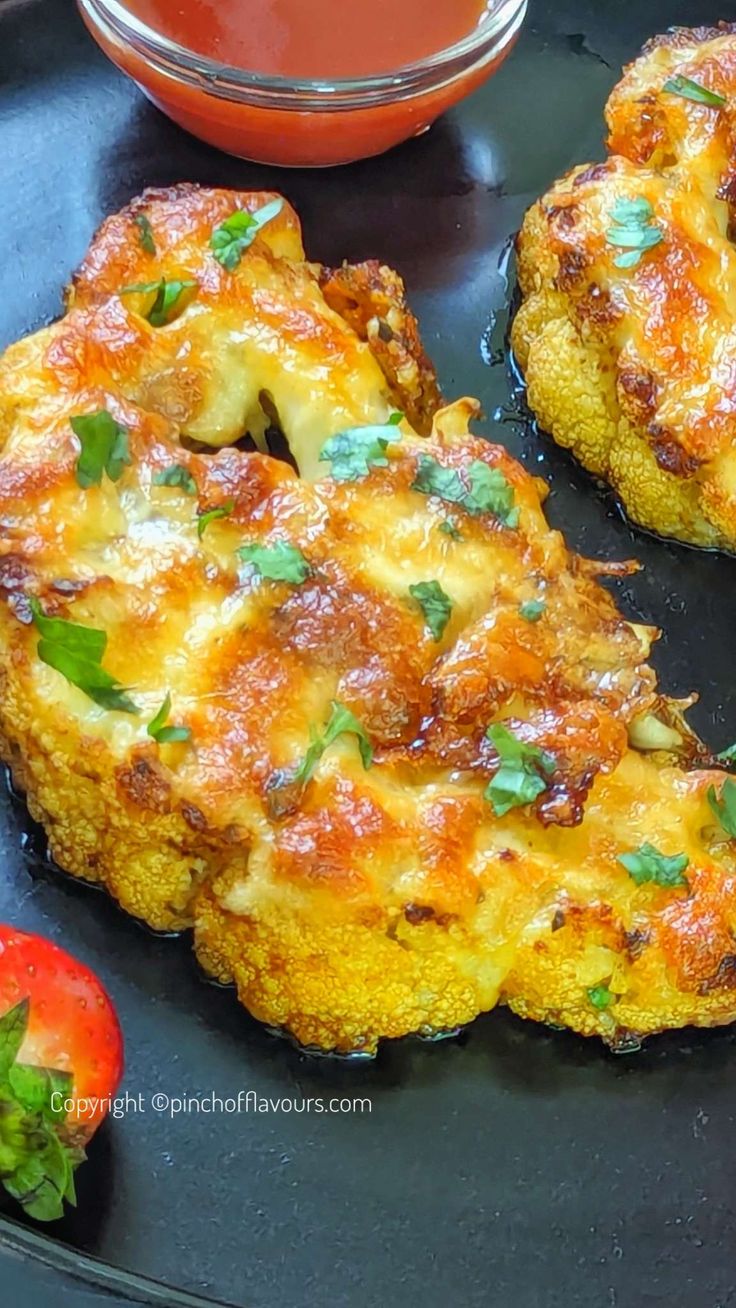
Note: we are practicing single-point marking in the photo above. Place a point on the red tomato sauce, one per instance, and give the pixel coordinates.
(330, 40)
(313, 38)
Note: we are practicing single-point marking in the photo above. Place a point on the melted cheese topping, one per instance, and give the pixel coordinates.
(649, 348)
(365, 902)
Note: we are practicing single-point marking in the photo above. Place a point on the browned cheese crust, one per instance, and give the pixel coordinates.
(632, 367)
(358, 902)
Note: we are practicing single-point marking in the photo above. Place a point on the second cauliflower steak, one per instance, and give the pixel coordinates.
(627, 331)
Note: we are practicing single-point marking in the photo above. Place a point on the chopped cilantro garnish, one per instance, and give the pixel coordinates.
(724, 806)
(532, 610)
(523, 773)
(104, 447)
(212, 515)
(634, 230)
(167, 303)
(485, 489)
(342, 722)
(690, 90)
(278, 562)
(600, 996)
(354, 452)
(449, 528)
(435, 605)
(76, 652)
(163, 734)
(176, 475)
(396, 419)
(231, 239)
(647, 864)
(145, 233)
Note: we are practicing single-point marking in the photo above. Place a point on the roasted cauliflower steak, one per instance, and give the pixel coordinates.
(627, 331)
(368, 727)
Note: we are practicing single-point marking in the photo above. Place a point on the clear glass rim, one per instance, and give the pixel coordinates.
(501, 23)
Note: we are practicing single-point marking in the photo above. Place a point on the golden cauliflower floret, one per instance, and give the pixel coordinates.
(628, 275)
(369, 727)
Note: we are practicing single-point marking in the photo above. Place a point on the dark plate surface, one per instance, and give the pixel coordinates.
(515, 1165)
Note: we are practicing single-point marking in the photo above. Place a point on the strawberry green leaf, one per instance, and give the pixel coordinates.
(13, 1027)
(35, 1088)
(36, 1166)
(40, 1178)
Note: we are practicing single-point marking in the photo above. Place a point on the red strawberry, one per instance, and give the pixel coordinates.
(59, 1039)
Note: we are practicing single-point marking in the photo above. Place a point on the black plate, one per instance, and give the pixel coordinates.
(514, 1165)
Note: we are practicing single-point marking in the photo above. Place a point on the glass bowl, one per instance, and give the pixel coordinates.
(294, 121)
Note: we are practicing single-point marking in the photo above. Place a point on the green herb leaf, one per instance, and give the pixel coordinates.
(212, 515)
(490, 492)
(278, 562)
(231, 239)
(449, 529)
(647, 864)
(166, 305)
(532, 610)
(690, 90)
(342, 722)
(523, 774)
(727, 755)
(166, 735)
(396, 419)
(145, 233)
(87, 642)
(104, 447)
(354, 452)
(76, 652)
(634, 211)
(176, 475)
(634, 230)
(486, 491)
(724, 806)
(13, 1027)
(600, 996)
(435, 605)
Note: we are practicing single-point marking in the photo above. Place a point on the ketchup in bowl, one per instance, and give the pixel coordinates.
(305, 81)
